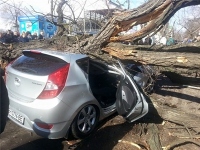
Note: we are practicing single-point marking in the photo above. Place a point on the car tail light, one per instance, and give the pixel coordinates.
(44, 125)
(55, 83)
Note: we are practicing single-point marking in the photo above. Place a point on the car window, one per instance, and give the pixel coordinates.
(38, 64)
(133, 69)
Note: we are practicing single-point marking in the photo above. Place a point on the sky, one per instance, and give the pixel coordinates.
(44, 6)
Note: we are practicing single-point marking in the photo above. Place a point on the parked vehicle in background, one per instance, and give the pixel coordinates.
(56, 93)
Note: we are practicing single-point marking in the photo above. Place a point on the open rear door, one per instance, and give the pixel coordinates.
(130, 102)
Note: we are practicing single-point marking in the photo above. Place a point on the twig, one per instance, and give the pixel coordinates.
(131, 143)
(180, 127)
(188, 130)
(192, 87)
(184, 137)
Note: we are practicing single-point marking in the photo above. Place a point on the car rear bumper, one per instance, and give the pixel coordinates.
(27, 116)
(51, 134)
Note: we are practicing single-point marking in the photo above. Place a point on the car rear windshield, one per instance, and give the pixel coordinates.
(38, 64)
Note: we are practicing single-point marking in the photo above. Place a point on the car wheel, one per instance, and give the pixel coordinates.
(84, 122)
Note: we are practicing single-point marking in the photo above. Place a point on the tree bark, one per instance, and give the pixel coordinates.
(59, 11)
(183, 55)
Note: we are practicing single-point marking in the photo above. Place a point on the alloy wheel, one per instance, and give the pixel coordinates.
(86, 119)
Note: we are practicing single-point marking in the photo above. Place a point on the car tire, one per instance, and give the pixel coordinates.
(85, 122)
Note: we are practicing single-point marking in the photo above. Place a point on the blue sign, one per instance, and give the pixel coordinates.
(36, 24)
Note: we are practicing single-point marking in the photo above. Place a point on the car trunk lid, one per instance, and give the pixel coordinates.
(24, 87)
(27, 76)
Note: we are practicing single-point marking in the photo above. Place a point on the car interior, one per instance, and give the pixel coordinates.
(103, 83)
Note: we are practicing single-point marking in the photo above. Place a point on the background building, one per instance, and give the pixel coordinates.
(94, 16)
(36, 24)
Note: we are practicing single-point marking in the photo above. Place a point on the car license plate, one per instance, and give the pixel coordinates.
(16, 116)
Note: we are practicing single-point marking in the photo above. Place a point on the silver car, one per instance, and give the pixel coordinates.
(56, 94)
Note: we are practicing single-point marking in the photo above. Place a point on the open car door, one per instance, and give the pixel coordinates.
(130, 102)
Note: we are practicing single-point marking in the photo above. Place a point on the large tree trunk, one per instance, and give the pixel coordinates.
(154, 14)
(177, 56)
(59, 10)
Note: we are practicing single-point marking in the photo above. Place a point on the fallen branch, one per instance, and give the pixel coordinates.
(188, 131)
(194, 137)
(181, 136)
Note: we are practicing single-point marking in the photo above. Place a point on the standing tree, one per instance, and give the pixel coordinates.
(64, 12)
(190, 23)
(12, 11)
